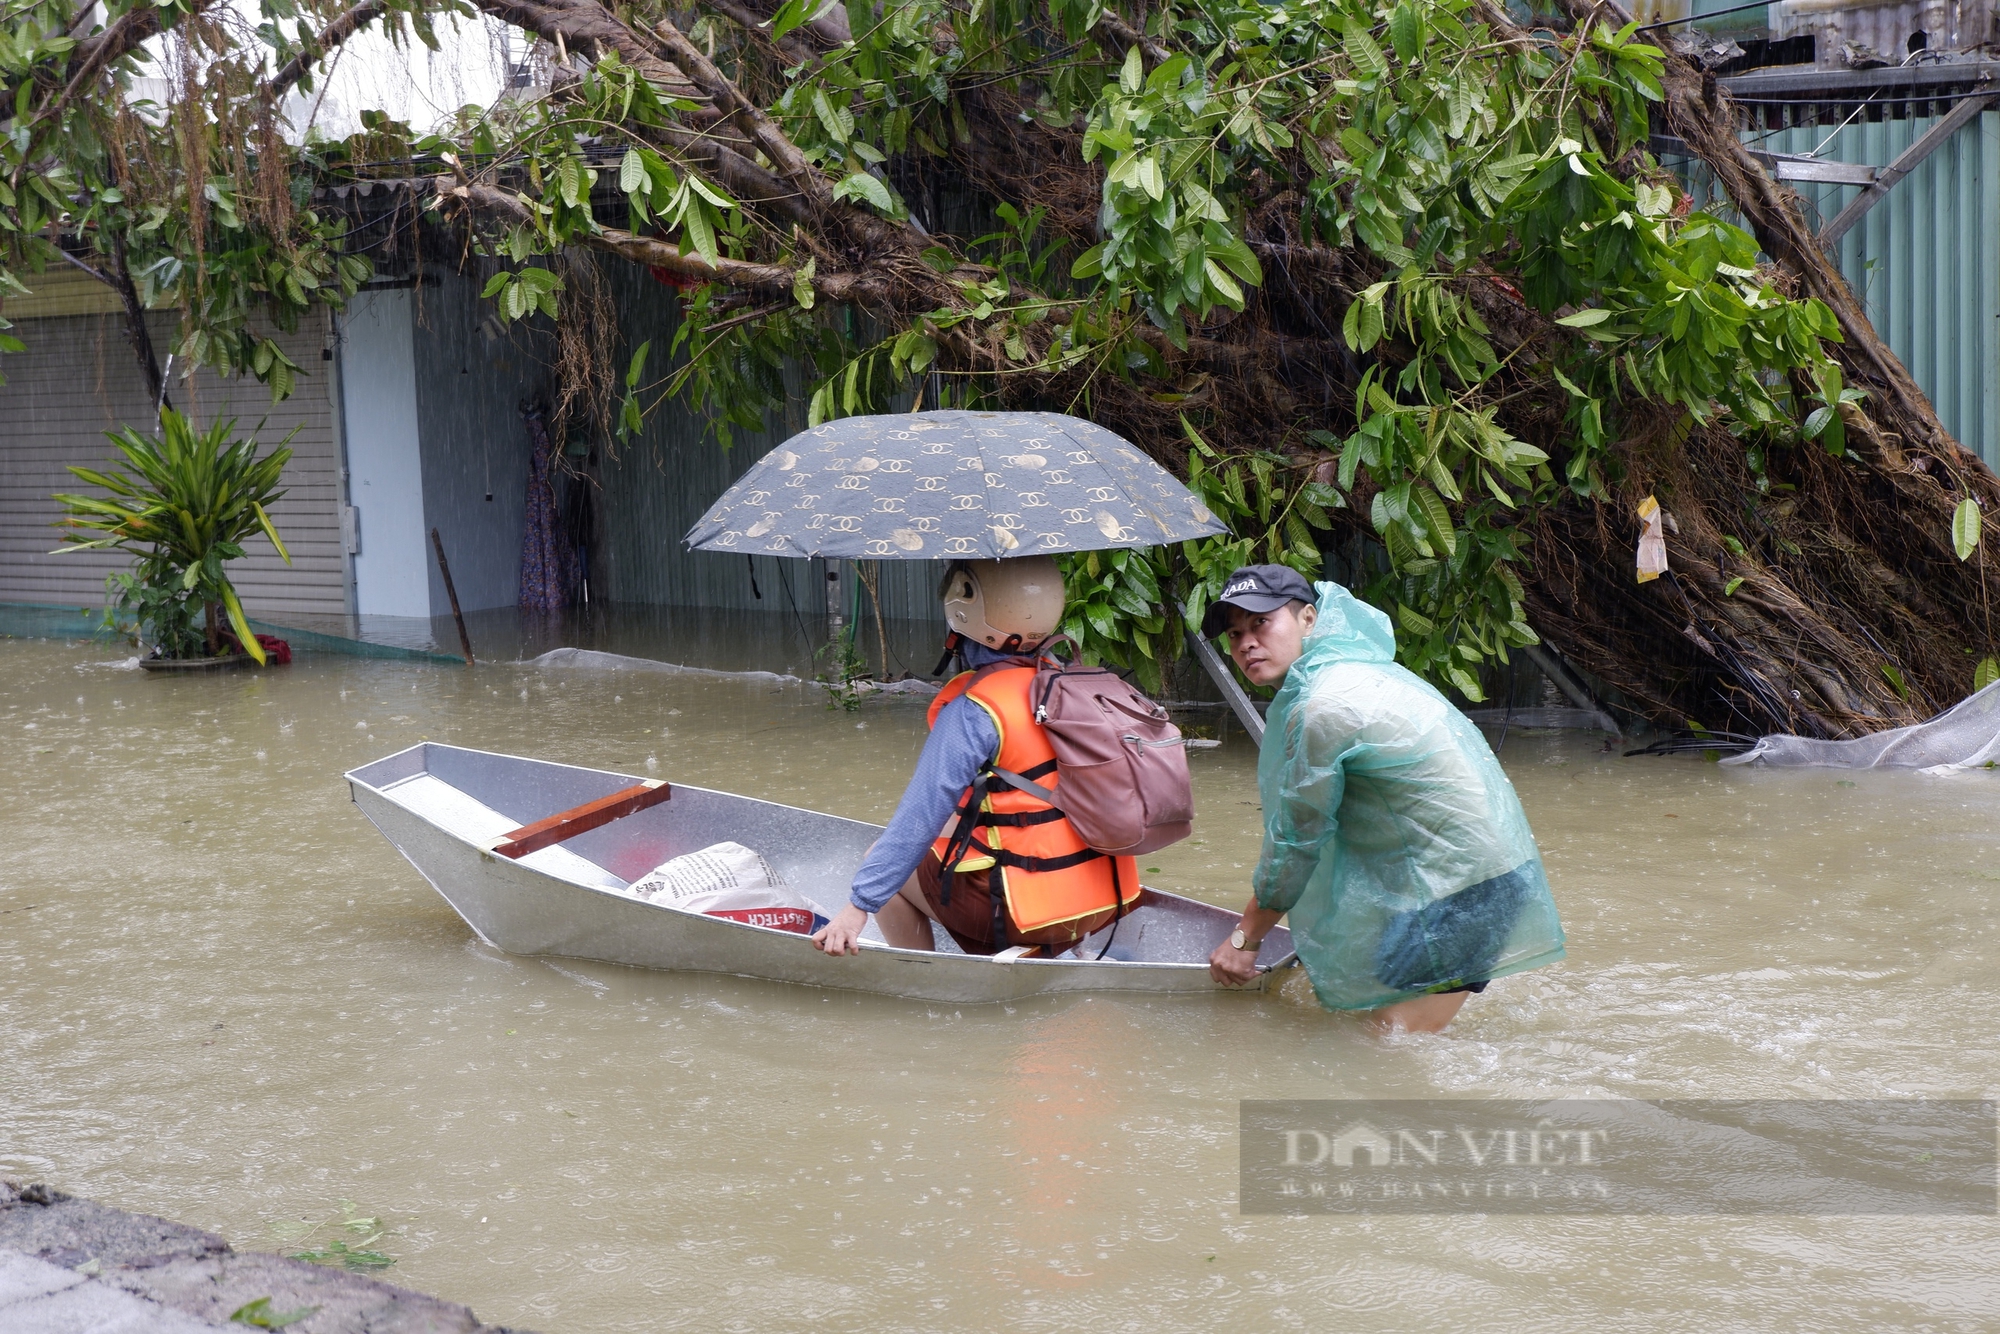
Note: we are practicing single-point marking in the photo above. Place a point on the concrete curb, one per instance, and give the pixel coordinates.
(68, 1266)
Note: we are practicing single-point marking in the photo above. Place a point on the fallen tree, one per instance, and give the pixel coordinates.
(1399, 282)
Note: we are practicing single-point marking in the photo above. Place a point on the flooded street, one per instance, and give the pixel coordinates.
(226, 999)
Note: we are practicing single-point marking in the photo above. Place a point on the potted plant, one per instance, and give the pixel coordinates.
(183, 503)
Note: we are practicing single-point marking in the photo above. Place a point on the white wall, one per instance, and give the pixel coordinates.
(385, 468)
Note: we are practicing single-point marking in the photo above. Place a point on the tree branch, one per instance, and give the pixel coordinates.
(1128, 37)
(586, 25)
(136, 331)
(98, 274)
(93, 55)
(746, 115)
(774, 280)
(342, 27)
(1702, 115)
(1503, 28)
(789, 46)
(869, 233)
(722, 157)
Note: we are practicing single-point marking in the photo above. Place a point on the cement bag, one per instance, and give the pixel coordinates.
(729, 880)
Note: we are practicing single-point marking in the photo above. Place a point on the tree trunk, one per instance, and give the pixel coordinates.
(136, 332)
(1853, 613)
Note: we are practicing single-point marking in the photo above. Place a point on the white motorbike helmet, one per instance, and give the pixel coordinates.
(1004, 604)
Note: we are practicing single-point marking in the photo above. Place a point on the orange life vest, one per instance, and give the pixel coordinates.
(1045, 873)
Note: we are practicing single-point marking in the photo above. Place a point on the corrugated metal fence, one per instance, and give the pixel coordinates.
(1925, 259)
(77, 380)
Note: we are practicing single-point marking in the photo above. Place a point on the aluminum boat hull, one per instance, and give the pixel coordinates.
(1162, 945)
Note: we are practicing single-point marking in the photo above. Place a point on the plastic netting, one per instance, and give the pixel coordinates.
(1391, 834)
(1965, 736)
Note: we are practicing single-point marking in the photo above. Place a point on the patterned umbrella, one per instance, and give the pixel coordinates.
(951, 485)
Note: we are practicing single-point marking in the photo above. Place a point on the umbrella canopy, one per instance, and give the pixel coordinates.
(952, 486)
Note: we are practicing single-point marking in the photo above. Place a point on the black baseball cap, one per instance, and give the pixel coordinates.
(1256, 589)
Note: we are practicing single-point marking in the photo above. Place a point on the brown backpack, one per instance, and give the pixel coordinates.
(1122, 765)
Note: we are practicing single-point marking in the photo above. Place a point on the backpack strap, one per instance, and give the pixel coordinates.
(961, 834)
(1024, 782)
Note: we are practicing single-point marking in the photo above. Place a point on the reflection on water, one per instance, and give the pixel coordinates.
(223, 997)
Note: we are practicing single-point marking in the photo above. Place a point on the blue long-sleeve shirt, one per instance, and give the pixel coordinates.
(963, 740)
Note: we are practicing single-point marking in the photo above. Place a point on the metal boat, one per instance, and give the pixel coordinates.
(559, 887)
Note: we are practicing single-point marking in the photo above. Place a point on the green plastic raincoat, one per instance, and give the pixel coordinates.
(1391, 835)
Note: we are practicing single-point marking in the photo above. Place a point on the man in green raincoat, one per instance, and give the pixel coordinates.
(1391, 835)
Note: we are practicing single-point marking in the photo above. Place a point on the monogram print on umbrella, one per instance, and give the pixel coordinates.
(941, 485)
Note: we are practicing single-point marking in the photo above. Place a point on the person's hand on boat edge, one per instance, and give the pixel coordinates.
(1231, 967)
(843, 934)
(1234, 961)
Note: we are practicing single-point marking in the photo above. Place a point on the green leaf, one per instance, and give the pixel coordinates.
(860, 185)
(240, 623)
(701, 233)
(1194, 437)
(1985, 674)
(1896, 681)
(270, 531)
(1467, 683)
(710, 193)
(1729, 589)
(1406, 32)
(1438, 519)
(1965, 528)
(792, 14)
(1584, 319)
(802, 284)
(570, 176)
(259, 1315)
(632, 174)
(1368, 59)
(638, 366)
(1224, 285)
(1132, 76)
(1362, 326)
(831, 119)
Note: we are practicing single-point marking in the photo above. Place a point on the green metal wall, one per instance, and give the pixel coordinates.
(1926, 259)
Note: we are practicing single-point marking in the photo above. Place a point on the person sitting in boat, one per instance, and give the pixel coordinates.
(1391, 835)
(1018, 873)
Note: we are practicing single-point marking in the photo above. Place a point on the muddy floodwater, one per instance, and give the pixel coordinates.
(225, 998)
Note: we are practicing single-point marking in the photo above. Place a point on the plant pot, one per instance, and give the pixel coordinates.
(197, 665)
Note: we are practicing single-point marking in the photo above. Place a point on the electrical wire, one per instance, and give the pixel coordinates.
(1712, 14)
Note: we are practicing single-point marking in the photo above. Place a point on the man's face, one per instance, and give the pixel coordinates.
(1265, 644)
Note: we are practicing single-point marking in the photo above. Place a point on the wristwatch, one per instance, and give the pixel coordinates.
(1237, 941)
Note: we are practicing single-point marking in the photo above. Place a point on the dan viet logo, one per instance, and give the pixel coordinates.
(1878, 1156)
(1362, 1145)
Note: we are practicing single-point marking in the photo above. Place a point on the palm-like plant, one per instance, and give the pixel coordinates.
(184, 504)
